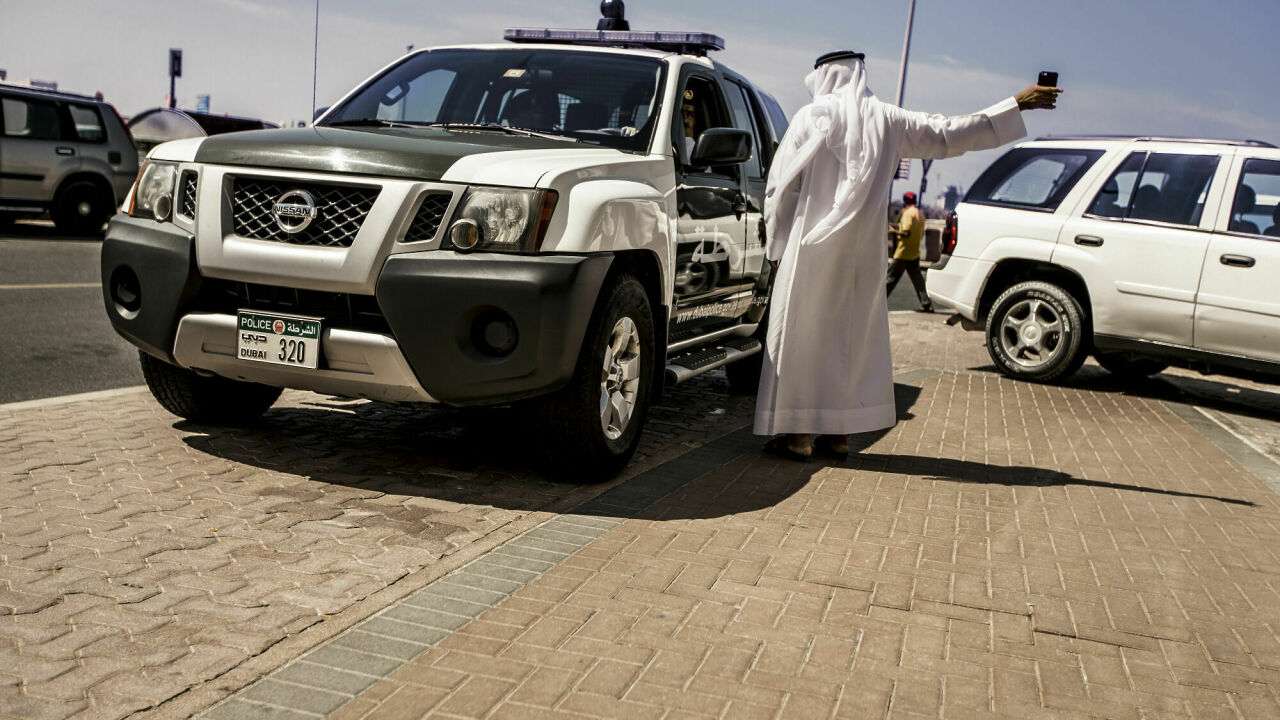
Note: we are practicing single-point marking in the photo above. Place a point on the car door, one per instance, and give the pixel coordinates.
(1238, 303)
(749, 115)
(36, 153)
(711, 221)
(1140, 242)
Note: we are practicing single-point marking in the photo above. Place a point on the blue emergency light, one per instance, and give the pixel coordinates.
(687, 43)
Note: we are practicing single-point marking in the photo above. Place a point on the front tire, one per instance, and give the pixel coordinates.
(214, 400)
(592, 425)
(81, 208)
(1036, 331)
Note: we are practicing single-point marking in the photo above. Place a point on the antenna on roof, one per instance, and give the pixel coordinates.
(614, 12)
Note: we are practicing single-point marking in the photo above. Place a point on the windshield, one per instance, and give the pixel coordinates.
(601, 98)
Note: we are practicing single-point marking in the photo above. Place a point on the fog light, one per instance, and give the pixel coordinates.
(163, 206)
(126, 291)
(464, 234)
(494, 333)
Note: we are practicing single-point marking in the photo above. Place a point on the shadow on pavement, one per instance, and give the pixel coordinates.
(976, 472)
(470, 456)
(1214, 392)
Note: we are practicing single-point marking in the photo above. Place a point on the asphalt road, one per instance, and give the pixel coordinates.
(56, 336)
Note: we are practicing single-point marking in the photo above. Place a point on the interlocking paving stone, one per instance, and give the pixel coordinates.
(1035, 527)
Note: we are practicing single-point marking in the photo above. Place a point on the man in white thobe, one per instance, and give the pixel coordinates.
(827, 369)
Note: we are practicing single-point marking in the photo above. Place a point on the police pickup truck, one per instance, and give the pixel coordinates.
(564, 222)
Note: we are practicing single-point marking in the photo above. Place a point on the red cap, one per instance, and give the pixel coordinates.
(908, 197)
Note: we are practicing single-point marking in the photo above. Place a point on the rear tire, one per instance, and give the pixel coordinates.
(1036, 331)
(592, 425)
(1130, 368)
(214, 400)
(82, 207)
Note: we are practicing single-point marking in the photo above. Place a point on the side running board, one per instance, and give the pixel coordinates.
(697, 362)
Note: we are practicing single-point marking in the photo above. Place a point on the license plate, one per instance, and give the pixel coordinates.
(278, 339)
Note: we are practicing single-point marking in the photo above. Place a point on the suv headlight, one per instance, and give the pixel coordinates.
(153, 193)
(501, 219)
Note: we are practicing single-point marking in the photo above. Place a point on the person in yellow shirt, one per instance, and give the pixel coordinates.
(906, 256)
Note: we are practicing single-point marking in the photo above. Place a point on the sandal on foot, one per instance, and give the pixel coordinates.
(778, 446)
(826, 446)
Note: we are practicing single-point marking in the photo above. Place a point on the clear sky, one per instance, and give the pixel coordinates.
(1160, 67)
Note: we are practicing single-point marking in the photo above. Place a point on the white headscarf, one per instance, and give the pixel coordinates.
(844, 121)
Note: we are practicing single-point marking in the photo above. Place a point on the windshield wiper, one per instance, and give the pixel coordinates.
(375, 122)
(503, 128)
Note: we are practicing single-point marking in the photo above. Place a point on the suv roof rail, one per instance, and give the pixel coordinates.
(685, 43)
(46, 91)
(1157, 138)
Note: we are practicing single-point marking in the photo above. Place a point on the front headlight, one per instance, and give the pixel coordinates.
(501, 219)
(153, 193)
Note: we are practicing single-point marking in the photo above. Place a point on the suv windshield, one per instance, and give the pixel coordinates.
(600, 98)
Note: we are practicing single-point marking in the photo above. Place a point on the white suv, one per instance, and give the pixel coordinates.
(566, 222)
(1144, 251)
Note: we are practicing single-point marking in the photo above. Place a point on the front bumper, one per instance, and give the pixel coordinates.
(429, 345)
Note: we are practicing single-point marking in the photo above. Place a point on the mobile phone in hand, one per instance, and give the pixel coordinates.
(1047, 78)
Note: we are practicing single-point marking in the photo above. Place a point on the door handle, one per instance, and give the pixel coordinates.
(64, 150)
(739, 204)
(1089, 240)
(1237, 260)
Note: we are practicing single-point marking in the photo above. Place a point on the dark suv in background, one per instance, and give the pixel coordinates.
(63, 154)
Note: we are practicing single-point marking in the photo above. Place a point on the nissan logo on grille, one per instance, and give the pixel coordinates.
(295, 210)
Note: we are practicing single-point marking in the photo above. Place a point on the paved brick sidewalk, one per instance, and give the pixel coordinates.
(1007, 549)
(146, 561)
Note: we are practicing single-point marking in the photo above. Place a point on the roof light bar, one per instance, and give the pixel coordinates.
(681, 42)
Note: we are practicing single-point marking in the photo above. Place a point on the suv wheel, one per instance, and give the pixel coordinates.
(1036, 331)
(593, 424)
(1130, 368)
(81, 207)
(205, 399)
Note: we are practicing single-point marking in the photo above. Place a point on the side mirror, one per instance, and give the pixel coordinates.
(721, 146)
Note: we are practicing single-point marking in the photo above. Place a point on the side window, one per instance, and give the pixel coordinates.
(1256, 209)
(1035, 178)
(31, 119)
(744, 119)
(701, 107)
(88, 123)
(1160, 187)
(1113, 199)
(777, 118)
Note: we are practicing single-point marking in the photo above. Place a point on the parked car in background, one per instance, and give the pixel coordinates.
(66, 155)
(160, 125)
(1146, 252)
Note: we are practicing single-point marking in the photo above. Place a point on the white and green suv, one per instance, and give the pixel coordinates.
(564, 222)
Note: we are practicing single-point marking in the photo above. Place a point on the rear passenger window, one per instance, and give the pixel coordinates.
(88, 123)
(744, 119)
(1256, 208)
(1032, 178)
(30, 119)
(1160, 187)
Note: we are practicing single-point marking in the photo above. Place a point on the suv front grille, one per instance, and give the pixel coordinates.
(336, 310)
(342, 210)
(430, 214)
(187, 195)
